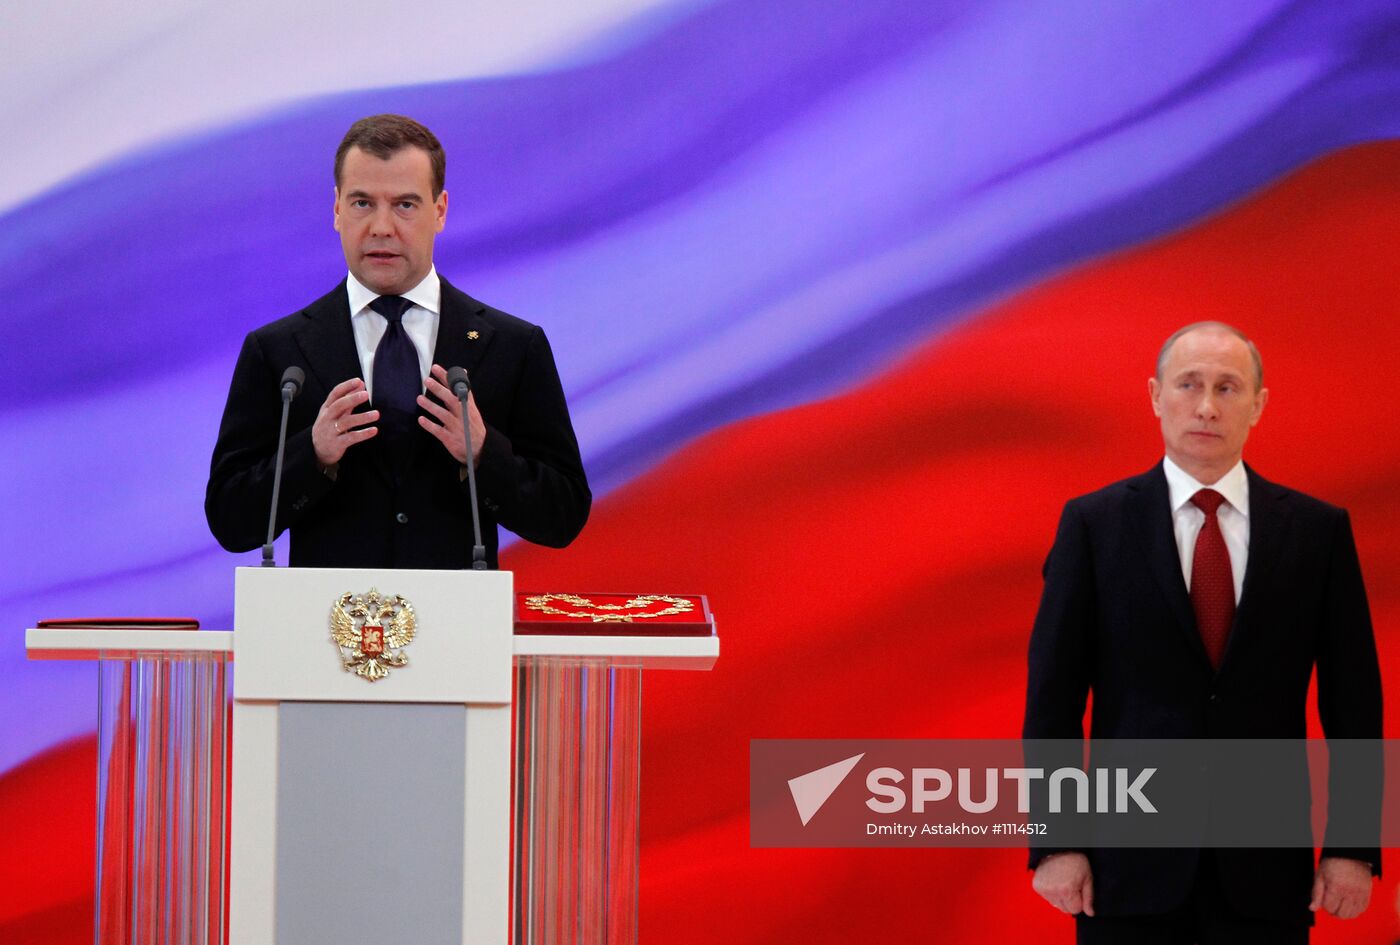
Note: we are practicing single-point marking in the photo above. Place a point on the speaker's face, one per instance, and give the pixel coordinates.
(388, 218)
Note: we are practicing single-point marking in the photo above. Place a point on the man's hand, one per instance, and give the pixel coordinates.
(445, 417)
(337, 429)
(1342, 887)
(1065, 881)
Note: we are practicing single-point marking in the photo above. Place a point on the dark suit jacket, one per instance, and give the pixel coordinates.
(1116, 619)
(404, 506)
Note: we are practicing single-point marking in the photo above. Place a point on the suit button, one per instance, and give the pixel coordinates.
(401, 518)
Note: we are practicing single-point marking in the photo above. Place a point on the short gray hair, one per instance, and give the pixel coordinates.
(1220, 326)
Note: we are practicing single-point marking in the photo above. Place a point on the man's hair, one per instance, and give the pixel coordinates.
(386, 135)
(1219, 326)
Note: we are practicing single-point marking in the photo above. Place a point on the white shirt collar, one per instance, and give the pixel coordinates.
(426, 294)
(1181, 486)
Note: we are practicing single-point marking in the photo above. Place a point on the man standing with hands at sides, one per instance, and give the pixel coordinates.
(376, 461)
(1194, 601)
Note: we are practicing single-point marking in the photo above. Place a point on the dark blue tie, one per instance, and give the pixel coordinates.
(397, 377)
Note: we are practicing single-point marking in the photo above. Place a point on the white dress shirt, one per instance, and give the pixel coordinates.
(1233, 515)
(420, 322)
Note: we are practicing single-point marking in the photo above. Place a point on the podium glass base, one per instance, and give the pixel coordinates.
(162, 754)
(576, 804)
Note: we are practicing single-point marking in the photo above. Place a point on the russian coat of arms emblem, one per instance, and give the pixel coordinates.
(372, 631)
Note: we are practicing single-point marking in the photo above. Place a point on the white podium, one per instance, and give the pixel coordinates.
(417, 756)
(370, 810)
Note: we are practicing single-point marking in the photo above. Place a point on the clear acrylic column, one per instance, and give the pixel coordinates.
(576, 800)
(161, 798)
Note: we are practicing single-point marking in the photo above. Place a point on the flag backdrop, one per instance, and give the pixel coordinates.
(847, 299)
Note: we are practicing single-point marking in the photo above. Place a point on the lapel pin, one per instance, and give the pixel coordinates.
(473, 335)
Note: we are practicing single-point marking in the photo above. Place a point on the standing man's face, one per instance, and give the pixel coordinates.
(387, 218)
(1207, 401)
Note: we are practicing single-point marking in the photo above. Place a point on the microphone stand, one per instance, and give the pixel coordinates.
(290, 384)
(462, 387)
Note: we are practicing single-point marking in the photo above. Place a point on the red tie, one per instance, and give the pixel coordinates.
(1212, 582)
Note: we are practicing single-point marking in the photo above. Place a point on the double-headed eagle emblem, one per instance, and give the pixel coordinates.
(372, 630)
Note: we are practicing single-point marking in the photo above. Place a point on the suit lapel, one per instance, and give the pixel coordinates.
(1268, 521)
(463, 333)
(1151, 508)
(327, 340)
(462, 336)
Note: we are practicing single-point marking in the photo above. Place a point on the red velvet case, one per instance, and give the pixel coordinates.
(686, 615)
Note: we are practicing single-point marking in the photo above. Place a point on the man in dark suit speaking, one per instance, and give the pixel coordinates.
(1195, 601)
(376, 460)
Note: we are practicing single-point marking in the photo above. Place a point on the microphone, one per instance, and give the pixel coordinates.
(458, 381)
(292, 379)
